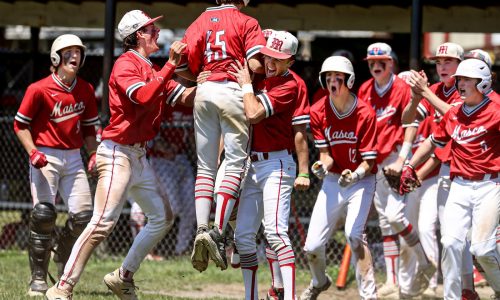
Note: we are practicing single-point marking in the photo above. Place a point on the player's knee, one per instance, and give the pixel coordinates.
(245, 241)
(356, 242)
(76, 223)
(313, 251)
(43, 218)
(452, 244)
(394, 218)
(277, 242)
(484, 249)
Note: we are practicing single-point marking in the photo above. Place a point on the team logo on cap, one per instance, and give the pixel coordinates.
(443, 49)
(276, 44)
(376, 51)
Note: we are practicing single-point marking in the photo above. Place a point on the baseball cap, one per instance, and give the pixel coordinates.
(280, 45)
(267, 33)
(481, 55)
(379, 51)
(449, 50)
(133, 21)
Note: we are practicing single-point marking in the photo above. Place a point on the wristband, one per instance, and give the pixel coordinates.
(360, 172)
(247, 88)
(405, 150)
(305, 175)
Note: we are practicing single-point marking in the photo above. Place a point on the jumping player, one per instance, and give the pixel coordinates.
(473, 130)
(56, 118)
(217, 38)
(344, 130)
(139, 92)
(388, 95)
(268, 185)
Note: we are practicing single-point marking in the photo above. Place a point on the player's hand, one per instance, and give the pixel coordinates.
(319, 169)
(38, 159)
(203, 77)
(409, 180)
(395, 168)
(92, 166)
(241, 73)
(347, 178)
(175, 53)
(418, 81)
(301, 183)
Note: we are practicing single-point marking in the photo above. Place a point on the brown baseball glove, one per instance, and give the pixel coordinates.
(393, 180)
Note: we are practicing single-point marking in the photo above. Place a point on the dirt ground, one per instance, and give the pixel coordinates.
(236, 291)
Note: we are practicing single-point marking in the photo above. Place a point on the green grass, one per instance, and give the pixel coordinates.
(156, 280)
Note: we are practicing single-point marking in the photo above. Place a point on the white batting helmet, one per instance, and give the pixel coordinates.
(337, 64)
(481, 55)
(475, 68)
(64, 41)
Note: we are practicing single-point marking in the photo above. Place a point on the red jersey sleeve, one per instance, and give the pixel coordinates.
(317, 123)
(440, 137)
(278, 98)
(174, 91)
(254, 39)
(30, 106)
(368, 133)
(301, 113)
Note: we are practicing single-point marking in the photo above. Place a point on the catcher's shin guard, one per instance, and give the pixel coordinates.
(75, 225)
(42, 225)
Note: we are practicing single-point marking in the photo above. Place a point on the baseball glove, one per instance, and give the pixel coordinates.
(409, 180)
(393, 181)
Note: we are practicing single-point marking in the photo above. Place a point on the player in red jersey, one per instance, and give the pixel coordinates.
(267, 188)
(344, 130)
(139, 93)
(217, 38)
(56, 118)
(484, 56)
(473, 129)
(388, 95)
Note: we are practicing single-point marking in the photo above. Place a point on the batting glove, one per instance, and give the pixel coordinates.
(319, 169)
(409, 180)
(38, 159)
(347, 178)
(91, 167)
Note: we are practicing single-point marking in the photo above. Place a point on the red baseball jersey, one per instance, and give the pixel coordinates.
(351, 137)
(388, 107)
(475, 138)
(278, 95)
(494, 96)
(217, 38)
(59, 115)
(131, 122)
(425, 109)
(425, 129)
(301, 113)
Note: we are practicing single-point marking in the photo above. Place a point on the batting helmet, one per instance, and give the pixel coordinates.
(337, 64)
(481, 55)
(475, 68)
(64, 41)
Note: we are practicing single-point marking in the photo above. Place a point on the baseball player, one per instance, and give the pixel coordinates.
(484, 56)
(388, 95)
(56, 118)
(269, 182)
(217, 38)
(139, 92)
(344, 130)
(300, 119)
(474, 198)
(439, 98)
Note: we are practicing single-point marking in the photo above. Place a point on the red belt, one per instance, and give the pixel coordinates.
(479, 177)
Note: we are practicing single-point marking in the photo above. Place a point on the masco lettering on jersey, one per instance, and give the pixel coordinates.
(67, 112)
(384, 112)
(341, 137)
(468, 135)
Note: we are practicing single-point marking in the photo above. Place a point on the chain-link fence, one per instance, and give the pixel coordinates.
(173, 157)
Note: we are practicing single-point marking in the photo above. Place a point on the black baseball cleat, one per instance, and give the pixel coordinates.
(216, 248)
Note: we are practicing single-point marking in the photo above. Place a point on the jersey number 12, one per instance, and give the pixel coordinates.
(219, 46)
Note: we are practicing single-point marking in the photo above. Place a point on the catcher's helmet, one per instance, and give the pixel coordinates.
(337, 64)
(475, 68)
(64, 41)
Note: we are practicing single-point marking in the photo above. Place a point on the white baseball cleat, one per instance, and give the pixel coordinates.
(388, 289)
(55, 293)
(125, 290)
(199, 256)
(312, 292)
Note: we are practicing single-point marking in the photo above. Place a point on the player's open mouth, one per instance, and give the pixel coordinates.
(333, 89)
(461, 92)
(73, 63)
